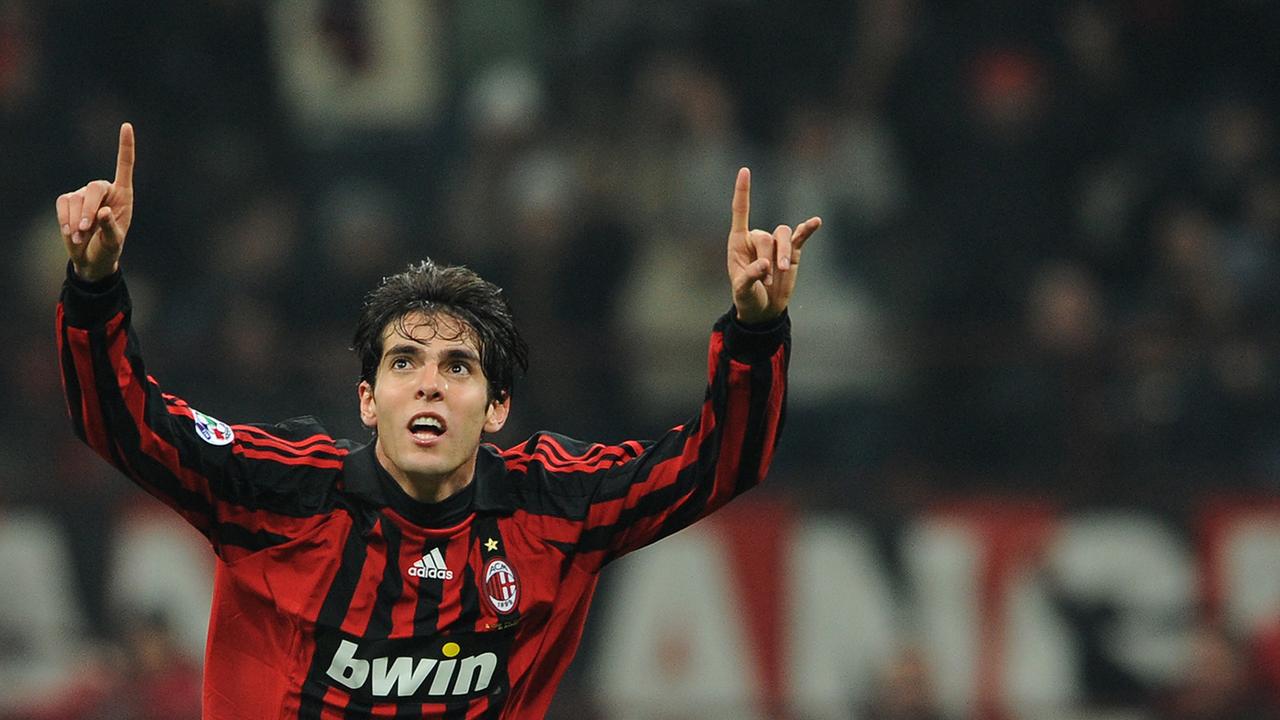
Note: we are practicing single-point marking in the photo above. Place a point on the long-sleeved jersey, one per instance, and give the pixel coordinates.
(338, 596)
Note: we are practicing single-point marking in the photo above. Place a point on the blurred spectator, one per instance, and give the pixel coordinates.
(682, 114)
(844, 167)
(351, 69)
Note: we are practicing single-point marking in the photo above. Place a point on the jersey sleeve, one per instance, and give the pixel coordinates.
(245, 487)
(622, 497)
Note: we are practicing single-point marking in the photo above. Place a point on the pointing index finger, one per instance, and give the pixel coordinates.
(741, 201)
(124, 158)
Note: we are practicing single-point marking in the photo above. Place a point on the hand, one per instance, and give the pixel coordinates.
(762, 265)
(95, 218)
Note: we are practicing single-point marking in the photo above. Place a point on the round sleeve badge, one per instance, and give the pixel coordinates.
(211, 429)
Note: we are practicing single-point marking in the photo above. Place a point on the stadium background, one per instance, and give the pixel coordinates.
(1044, 298)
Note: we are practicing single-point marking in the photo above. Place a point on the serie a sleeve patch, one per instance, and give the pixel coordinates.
(211, 429)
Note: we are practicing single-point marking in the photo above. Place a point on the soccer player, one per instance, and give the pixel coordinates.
(422, 574)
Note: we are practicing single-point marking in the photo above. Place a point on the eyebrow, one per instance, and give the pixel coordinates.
(418, 351)
(461, 354)
(403, 349)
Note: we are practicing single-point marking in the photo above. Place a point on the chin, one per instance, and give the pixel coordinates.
(430, 469)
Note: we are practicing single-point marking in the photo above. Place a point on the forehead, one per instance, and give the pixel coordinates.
(439, 328)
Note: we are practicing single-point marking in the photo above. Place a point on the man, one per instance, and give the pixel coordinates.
(422, 574)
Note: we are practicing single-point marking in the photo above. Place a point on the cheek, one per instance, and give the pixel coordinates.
(381, 404)
(477, 411)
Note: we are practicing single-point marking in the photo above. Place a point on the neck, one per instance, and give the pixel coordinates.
(428, 488)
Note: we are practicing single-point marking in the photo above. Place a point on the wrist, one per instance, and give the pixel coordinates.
(759, 317)
(755, 341)
(93, 273)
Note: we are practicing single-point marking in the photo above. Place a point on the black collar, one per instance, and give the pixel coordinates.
(494, 491)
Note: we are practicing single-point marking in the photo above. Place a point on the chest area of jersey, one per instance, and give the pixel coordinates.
(392, 579)
(397, 612)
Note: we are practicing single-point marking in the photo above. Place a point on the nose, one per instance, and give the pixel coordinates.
(431, 384)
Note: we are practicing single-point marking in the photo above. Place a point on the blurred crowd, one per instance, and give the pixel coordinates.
(1052, 229)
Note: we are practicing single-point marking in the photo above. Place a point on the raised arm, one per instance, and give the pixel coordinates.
(619, 498)
(246, 487)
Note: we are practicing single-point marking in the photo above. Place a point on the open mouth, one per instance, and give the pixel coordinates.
(426, 426)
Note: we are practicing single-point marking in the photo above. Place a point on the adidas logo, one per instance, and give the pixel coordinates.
(431, 566)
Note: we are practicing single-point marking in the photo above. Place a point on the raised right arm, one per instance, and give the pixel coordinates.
(245, 487)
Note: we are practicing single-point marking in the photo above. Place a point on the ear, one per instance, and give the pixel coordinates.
(496, 416)
(368, 407)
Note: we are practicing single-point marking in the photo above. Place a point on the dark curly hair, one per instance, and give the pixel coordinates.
(452, 290)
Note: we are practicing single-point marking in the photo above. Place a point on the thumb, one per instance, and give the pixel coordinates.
(751, 274)
(112, 234)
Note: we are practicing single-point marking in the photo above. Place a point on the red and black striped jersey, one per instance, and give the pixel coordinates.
(338, 596)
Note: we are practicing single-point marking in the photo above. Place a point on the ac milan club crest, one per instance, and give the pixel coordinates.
(501, 586)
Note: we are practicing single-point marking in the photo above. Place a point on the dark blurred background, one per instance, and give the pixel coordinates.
(1048, 267)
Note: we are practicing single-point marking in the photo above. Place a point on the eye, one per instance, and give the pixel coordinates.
(458, 368)
(399, 363)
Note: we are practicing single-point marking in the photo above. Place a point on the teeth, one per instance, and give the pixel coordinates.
(425, 423)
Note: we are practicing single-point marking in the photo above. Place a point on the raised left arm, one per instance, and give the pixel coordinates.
(610, 500)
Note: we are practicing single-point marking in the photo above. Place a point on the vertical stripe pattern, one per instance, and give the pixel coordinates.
(316, 609)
